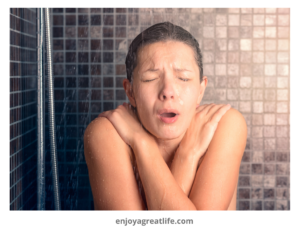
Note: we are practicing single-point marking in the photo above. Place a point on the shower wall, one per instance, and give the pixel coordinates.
(246, 59)
(23, 109)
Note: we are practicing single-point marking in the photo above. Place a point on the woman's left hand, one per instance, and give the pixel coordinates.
(125, 121)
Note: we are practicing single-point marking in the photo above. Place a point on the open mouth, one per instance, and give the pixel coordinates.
(168, 115)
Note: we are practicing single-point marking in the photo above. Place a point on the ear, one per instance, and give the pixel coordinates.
(202, 89)
(129, 91)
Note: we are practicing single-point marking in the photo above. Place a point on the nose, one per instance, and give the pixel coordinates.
(167, 91)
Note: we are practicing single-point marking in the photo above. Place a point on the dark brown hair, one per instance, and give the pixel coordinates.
(161, 32)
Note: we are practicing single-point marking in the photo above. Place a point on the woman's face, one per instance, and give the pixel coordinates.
(167, 77)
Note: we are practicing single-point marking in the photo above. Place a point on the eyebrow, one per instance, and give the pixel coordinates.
(176, 69)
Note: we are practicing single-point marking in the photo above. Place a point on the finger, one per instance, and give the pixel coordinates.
(206, 109)
(219, 113)
(104, 114)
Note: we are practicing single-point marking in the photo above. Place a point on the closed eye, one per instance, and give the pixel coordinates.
(148, 80)
(185, 80)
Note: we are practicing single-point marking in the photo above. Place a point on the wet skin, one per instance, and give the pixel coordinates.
(166, 76)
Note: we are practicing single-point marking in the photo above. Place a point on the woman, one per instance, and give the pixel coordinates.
(186, 156)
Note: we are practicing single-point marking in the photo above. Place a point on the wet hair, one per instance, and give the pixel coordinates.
(161, 32)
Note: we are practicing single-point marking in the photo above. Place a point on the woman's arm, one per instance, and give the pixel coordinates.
(161, 189)
(225, 149)
(216, 177)
(111, 176)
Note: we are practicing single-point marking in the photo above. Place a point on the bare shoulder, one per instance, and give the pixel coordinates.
(110, 169)
(217, 176)
(232, 127)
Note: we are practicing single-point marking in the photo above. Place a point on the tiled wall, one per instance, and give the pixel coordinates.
(246, 59)
(23, 107)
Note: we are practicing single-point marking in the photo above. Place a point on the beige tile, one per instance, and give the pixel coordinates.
(270, 44)
(246, 20)
(258, 82)
(233, 57)
(258, 107)
(220, 69)
(257, 119)
(234, 10)
(258, 32)
(208, 10)
(269, 107)
(259, 10)
(233, 82)
(208, 57)
(233, 69)
(245, 70)
(270, 32)
(283, 70)
(208, 44)
(246, 44)
(246, 57)
(208, 19)
(271, 57)
(270, 94)
(233, 44)
(283, 10)
(208, 69)
(282, 119)
(232, 94)
(258, 44)
(283, 32)
(283, 44)
(283, 144)
(269, 181)
(283, 57)
(257, 144)
(282, 107)
(245, 107)
(220, 81)
(221, 32)
(221, 57)
(283, 20)
(221, 19)
(270, 69)
(220, 94)
(257, 132)
(245, 82)
(282, 131)
(246, 32)
(271, 10)
(258, 57)
(258, 20)
(246, 10)
(270, 144)
(208, 32)
(270, 82)
(282, 95)
(257, 69)
(269, 119)
(257, 94)
(271, 20)
(282, 82)
(221, 44)
(233, 32)
(269, 131)
(258, 156)
(245, 94)
(233, 20)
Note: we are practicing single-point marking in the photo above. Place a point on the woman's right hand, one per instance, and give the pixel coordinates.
(201, 130)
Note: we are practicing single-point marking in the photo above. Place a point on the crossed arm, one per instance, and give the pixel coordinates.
(177, 188)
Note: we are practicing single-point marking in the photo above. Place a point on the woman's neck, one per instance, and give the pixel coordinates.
(168, 148)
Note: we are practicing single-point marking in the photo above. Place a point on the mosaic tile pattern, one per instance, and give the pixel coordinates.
(23, 107)
(246, 59)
